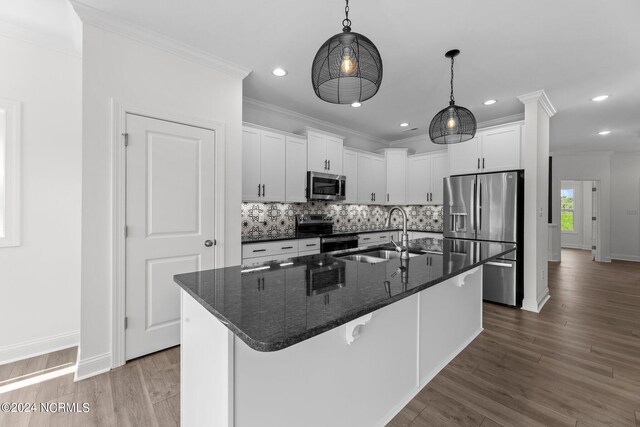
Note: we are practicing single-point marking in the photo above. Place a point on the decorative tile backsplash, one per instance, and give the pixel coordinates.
(272, 219)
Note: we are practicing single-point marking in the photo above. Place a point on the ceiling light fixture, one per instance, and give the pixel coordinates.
(279, 72)
(600, 98)
(604, 132)
(489, 102)
(453, 124)
(356, 104)
(404, 124)
(347, 67)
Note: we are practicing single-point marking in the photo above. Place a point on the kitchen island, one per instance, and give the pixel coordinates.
(341, 339)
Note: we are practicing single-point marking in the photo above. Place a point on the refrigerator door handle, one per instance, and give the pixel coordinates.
(479, 204)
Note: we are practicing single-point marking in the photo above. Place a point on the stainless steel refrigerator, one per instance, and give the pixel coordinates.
(490, 207)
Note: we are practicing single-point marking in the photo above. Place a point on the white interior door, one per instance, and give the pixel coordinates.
(170, 218)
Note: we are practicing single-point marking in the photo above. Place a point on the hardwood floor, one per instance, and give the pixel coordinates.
(144, 392)
(577, 363)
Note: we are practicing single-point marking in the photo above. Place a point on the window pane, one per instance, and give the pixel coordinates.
(566, 221)
(566, 198)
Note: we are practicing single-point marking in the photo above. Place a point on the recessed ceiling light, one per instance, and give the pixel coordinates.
(600, 98)
(279, 72)
(489, 102)
(356, 104)
(604, 132)
(404, 124)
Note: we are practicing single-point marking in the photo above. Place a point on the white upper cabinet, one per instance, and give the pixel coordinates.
(493, 149)
(324, 152)
(350, 168)
(439, 171)
(396, 173)
(263, 165)
(296, 169)
(371, 179)
(425, 174)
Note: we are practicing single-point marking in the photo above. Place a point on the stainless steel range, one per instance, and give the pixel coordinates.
(322, 225)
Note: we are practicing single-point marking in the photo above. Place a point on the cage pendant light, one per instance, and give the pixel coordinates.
(347, 67)
(453, 124)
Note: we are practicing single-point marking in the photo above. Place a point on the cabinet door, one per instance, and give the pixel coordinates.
(396, 172)
(418, 179)
(350, 167)
(272, 166)
(501, 149)
(463, 157)
(334, 154)
(365, 178)
(316, 152)
(250, 164)
(296, 169)
(439, 170)
(378, 175)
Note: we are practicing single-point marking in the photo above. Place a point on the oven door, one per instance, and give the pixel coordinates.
(339, 243)
(323, 186)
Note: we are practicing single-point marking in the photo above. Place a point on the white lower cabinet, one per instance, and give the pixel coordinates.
(374, 238)
(253, 253)
(424, 234)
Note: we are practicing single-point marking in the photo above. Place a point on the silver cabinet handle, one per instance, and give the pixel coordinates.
(311, 244)
(478, 162)
(329, 164)
(263, 190)
(325, 164)
(287, 247)
(387, 197)
(208, 243)
(258, 190)
(483, 163)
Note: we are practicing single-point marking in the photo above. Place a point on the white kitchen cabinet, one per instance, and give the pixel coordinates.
(309, 246)
(263, 165)
(374, 238)
(425, 174)
(324, 153)
(396, 174)
(492, 149)
(350, 168)
(259, 252)
(296, 169)
(424, 234)
(371, 179)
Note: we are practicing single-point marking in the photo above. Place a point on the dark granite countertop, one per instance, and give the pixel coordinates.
(278, 304)
(290, 236)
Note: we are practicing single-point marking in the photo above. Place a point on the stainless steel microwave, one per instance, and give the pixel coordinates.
(325, 186)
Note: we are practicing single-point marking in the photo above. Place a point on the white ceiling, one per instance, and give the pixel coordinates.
(573, 49)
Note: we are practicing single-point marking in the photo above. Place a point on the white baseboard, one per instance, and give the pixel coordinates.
(93, 366)
(403, 402)
(27, 349)
(554, 257)
(623, 257)
(572, 246)
(536, 306)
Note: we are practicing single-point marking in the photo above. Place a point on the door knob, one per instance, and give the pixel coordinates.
(208, 243)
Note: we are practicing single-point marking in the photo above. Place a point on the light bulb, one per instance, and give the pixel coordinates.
(451, 123)
(349, 63)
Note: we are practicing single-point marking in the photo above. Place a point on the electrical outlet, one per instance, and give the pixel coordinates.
(261, 217)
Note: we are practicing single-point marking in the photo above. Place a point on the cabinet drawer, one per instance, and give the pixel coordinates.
(281, 247)
(369, 239)
(309, 245)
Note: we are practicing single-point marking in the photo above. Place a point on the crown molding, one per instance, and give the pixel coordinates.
(340, 129)
(39, 38)
(542, 98)
(103, 20)
(482, 125)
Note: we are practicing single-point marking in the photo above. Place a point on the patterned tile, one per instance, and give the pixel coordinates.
(269, 219)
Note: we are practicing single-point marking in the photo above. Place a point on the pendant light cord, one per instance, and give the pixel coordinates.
(346, 22)
(452, 100)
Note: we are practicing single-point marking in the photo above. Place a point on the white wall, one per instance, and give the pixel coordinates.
(289, 121)
(135, 74)
(40, 280)
(580, 237)
(625, 204)
(588, 166)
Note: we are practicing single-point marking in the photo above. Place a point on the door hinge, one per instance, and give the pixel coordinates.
(126, 139)
(594, 189)
(126, 231)
(126, 322)
(593, 218)
(593, 247)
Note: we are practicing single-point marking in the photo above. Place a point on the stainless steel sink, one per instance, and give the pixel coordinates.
(362, 258)
(386, 254)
